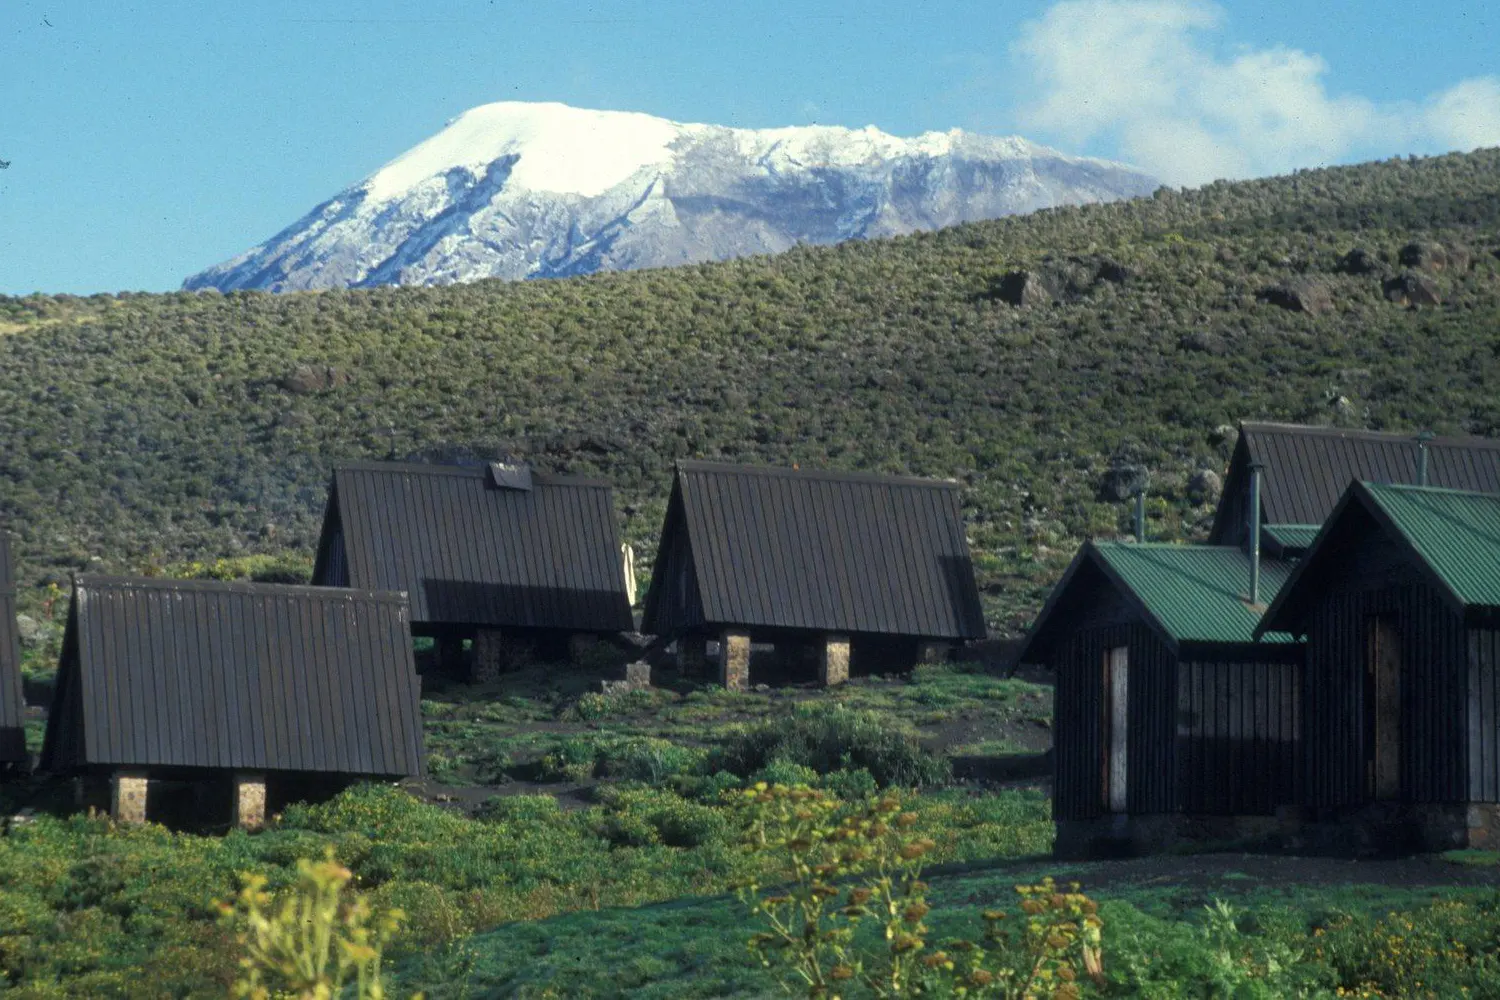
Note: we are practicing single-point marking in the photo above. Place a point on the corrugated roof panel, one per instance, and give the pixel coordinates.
(171, 673)
(1456, 532)
(1197, 593)
(825, 551)
(471, 553)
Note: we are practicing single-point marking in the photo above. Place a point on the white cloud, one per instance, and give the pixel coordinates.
(1142, 77)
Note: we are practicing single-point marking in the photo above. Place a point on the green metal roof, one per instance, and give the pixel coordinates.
(1197, 593)
(1292, 536)
(1457, 533)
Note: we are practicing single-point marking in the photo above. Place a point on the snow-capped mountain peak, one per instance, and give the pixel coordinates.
(560, 149)
(520, 190)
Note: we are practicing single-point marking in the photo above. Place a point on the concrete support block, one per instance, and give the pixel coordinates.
(932, 651)
(734, 660)
(249, 801)
(637, 678)
(692, 656)
(127, 797)
(491, 656)
(833, 663)
(581, 645)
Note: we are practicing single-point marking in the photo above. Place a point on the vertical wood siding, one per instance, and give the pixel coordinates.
(1434, 683)
(1238, 736)
(1484, 716)
(1078, 736)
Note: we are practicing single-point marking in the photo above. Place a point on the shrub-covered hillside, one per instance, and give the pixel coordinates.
(143, 430)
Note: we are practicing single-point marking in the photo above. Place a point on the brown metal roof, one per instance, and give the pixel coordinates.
(12, 700)
(1307, 469)
(826, 551)
(205, 674)
(536, 552)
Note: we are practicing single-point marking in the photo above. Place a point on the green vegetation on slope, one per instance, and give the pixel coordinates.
(142, 430)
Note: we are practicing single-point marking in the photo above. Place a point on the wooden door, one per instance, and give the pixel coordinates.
(1116, 727)
(1383, 708)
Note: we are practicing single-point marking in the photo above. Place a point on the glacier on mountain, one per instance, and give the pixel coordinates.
(524, 190)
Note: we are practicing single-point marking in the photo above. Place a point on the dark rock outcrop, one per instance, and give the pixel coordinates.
(1304, 295)
(305, 379)
(1204, 486)
(1412, 289)
(1024, 288)
(1434, 257)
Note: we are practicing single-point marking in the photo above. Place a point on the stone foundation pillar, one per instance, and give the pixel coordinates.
(692, 656)
(734, 660)
(1484, 825)
(833, 663)
(249, 801)
(127, 797)
(581, 645)
(491, 657)
(933, 652)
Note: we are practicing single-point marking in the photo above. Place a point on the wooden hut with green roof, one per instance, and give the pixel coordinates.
(1171, 720)
(1399, 600)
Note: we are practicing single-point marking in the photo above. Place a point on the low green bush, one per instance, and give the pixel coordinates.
(519, 808)
(831, 737)
(632, 758)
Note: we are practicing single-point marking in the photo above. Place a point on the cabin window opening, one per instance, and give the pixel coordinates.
(1116, 727)
(1382, 707)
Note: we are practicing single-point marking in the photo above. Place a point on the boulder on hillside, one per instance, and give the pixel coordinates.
(1123, 481)
(1434, 257)
(1412, 289)
(32, 632)
(1024, 288)
(1360, 261)
(314, 378)
(1304, 295)
(1204, 486)
(1053, 280)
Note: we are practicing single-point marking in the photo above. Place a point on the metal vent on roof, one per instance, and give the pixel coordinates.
(511, 475)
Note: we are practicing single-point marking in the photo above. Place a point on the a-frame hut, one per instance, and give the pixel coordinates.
(497, 554)
(848, 564)
(270, 688)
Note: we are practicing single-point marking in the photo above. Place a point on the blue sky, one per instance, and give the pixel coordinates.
(150, 140)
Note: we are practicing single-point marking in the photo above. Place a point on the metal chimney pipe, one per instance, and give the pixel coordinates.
(1422, 440)
(1140, 515)
(1255, 472)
